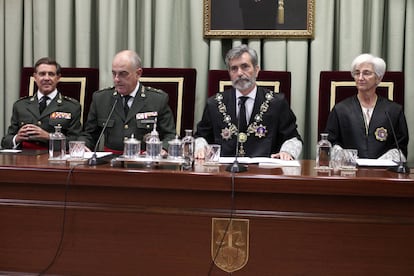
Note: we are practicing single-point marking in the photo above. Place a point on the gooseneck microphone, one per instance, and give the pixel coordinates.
(93, 161)
(402, 166)
(236, 167)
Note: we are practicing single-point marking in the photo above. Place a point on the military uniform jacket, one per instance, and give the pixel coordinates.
(277, 124)
(149, 103)
(61, 110)
(346, 127)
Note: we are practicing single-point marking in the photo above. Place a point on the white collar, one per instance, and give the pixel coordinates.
(251, 95)
(51, 95)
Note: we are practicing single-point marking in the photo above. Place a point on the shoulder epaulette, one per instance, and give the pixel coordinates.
(153, 89)
(24, 97)
(70, 99)
(105, 89)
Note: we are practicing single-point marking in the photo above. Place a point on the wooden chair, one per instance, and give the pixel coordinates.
(334, 86)
(77, 83)
(278, 81)
(180, 84)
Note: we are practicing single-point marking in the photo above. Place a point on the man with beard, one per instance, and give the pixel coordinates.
(267, 128)
(34, 117)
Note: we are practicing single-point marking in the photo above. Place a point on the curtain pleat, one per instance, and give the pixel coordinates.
(169, 33)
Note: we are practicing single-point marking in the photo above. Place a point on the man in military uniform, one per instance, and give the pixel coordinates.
(135, 108)
(34, 117)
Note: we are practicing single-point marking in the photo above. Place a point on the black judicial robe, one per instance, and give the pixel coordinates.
(346, 127)
(279, 124)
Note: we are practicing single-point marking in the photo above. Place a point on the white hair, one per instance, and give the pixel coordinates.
(377, 62)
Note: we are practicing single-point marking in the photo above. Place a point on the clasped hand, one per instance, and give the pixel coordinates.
(31, 132)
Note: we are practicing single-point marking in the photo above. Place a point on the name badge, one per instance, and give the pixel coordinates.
(61, 115)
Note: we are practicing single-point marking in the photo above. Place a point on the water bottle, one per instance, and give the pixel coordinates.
(132, 147)
(175, 149)
(57, 145)
(153, 144)
(323, 152)
(188, 147)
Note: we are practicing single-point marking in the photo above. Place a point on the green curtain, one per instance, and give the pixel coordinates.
(169, 33)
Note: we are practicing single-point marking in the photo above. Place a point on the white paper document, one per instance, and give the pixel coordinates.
(88, 154)
(261, 161)
(375, 162)
(99, 154)
(10, 151)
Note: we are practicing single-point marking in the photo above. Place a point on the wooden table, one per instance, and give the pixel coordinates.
(137, 221)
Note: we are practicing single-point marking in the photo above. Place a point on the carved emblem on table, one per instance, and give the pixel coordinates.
(230, 243)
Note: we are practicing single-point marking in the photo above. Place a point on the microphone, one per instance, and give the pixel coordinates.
(402, 166)
(236, 167)
(93, 161)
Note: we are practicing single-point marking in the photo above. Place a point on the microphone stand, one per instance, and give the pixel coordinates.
(236, 167)
(402, 166)
(93, 161)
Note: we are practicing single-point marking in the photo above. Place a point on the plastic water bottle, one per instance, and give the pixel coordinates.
(323, 152)
(57, 145)
(188, 147)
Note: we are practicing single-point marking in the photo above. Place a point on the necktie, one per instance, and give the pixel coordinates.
(242, 114)
(43, 103)
(126, 106)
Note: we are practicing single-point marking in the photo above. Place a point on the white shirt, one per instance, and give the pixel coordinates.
(132, 94)
(51, 96)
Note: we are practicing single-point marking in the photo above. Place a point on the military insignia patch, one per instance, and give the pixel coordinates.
(61, 115)
(146, 115)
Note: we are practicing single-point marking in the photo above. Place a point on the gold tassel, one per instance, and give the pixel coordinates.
(281, 12)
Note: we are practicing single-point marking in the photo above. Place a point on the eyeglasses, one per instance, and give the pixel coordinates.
(121, 74)
(365, 73)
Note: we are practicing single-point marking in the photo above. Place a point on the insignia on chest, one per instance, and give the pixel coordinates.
(61, 115)
(146, 115)
(381, 134)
